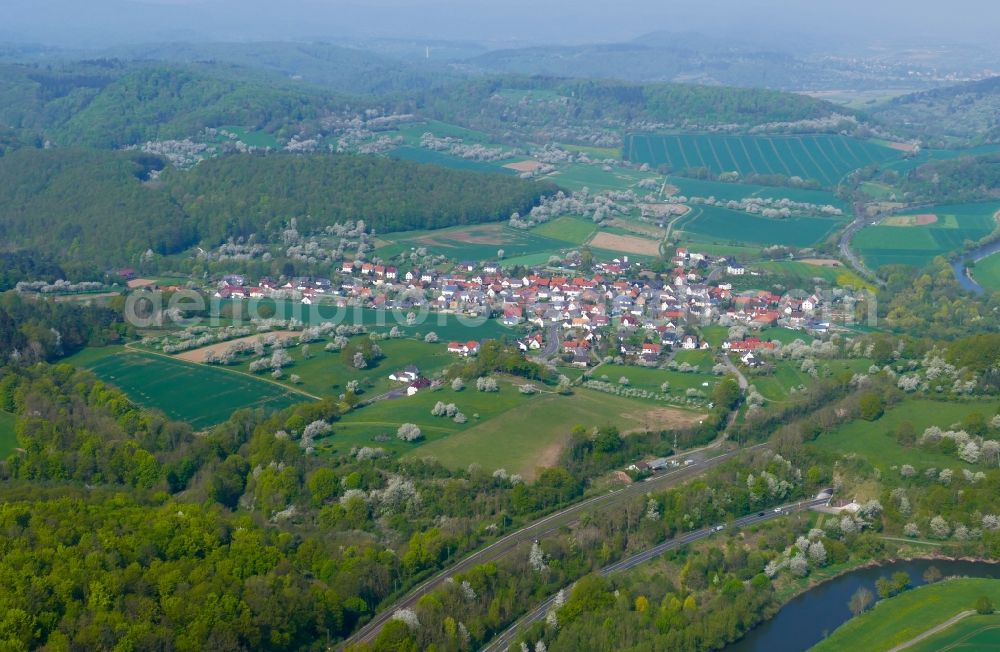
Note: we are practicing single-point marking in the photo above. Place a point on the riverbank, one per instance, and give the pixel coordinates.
(813, 608)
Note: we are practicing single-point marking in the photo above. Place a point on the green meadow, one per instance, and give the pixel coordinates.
(897, 620)
(987, 272)
(723, 225)
(956, 225)
(8, 438)
(199, 394)
(875, 440)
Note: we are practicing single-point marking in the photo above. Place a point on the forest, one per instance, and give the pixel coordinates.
(96, 209)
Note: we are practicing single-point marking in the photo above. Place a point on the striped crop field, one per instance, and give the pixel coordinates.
(825, 158)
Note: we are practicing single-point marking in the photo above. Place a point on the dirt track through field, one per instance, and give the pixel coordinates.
(198, 355)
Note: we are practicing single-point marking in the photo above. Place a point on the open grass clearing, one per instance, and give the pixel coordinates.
(653, 378)
(480, 242)
(578, 176)
(574, 230)
(324, 373)
(876, 441)
(532, 436)
(987, 272)
(8, 436)
(899, 619)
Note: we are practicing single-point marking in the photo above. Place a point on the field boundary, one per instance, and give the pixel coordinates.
(132, 349)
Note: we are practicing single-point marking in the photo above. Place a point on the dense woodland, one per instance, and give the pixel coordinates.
(96, 209)
(966, 113)
(960, 180)
(110, 104)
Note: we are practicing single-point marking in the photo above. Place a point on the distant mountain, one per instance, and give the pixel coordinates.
(704, 59)
(350, 70)
(111, 104)
(968, 113)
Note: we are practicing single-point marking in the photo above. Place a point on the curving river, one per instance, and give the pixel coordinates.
(961, 269)
(810, 617)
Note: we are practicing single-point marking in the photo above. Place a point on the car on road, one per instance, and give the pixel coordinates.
(717, 528)
(760, 513)
(777, 510)
(688, 462)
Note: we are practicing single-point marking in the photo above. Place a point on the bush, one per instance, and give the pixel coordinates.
(984, 605)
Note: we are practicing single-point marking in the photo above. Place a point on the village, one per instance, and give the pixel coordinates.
(618, 309)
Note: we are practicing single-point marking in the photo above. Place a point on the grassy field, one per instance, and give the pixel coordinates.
(972, 634)
(530, 437)
(787, 375)
(325, 374)
(899, 619)
(822, 157)
(574, 230)
(872, 440)
(730, 226)
(651, 379)
(987, 272)
(918, 245)
(376, 424)
(579, 175)
(201, 395)
(478, 242)
(8, 439)
(254, 138)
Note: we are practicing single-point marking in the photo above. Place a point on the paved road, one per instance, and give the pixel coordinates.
(551, 523)
(502, 641)
(551, 346)
(740, 378)
(860, 221)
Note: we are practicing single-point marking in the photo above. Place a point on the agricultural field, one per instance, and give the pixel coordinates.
(524, 439)
(574, 230)
(579, 175)
(737, 191)
(972, 634)
(876, 440)
(479, 242)
(987, 272)
(897, 620)
(196, 393)
(822, 157)
(8, 438)
(722, 226)
(916, 237)
(626, 244)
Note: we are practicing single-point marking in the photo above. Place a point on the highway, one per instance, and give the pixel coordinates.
(501, 642)
(547, 524)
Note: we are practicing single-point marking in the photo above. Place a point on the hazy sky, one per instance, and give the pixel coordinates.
(101, 22)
